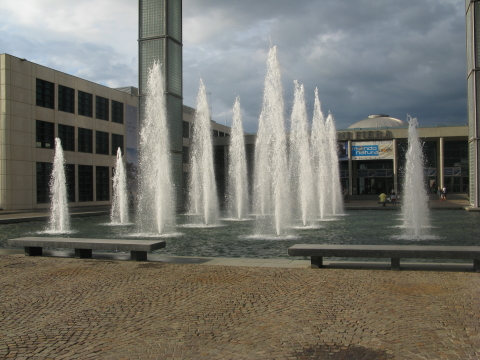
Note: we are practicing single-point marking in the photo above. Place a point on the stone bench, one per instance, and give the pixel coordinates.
(395, 252)
(83, 247)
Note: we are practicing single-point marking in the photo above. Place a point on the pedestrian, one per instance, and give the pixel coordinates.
(383, 198)
(393, 198)
(345, 195)
(444, 190)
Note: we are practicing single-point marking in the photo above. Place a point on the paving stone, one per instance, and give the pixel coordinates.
(65, 308)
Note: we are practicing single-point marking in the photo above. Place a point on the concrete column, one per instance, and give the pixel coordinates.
(395, 166)
(440, 164)
(350, 168)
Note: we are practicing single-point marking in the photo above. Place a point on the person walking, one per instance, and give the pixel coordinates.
(444, 190)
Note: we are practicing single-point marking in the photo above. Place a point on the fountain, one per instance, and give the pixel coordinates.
(335, 189)
(237, 185)
(119, 212)
(271, 188)
(59, 217)
(320, 156)
(156, 209)
(325, 158)
(415, 199)
(202, 195)
(300, 160)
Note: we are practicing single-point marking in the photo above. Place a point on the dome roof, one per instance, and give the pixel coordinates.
(378, 121)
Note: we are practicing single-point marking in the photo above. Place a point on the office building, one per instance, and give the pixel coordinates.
(38, 104)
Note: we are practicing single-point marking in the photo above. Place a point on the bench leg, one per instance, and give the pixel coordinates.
(138, 255)
(395, 264)
(33, 251)
(83, 253)
(316, 262)
(476, 265)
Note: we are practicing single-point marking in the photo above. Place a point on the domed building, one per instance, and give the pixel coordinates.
(378, 121)
(372, 156)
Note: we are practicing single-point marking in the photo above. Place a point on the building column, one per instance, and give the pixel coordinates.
(395, 166)
(350, 168)
(473, 91)
(440, 164)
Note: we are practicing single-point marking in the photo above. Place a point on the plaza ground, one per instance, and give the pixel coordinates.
(193, 308)
(66, 308)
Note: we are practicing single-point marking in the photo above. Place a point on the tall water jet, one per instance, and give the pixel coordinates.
(271, 190)
(415, 198)
(237, 185)
(325, 157)
(202, 194)
(59, 217)
(156, 199)
(320, 157)
(119, 211)
(335, 188)
(300, 159)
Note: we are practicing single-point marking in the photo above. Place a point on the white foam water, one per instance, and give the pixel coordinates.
(119, 212)
(271, 185)
(415, 199)
(202, 189)
(237, 184)
(300, 165)
(59, 222)
(156, 199)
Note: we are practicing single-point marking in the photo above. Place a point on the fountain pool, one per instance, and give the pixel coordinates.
(235, 238)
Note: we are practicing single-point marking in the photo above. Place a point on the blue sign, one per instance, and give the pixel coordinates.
(365, 150)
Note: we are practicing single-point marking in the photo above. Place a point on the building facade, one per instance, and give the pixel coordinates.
(38, 104)
(160, 39)
(372, 159)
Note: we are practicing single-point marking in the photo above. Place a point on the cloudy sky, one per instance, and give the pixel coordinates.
(364, 56)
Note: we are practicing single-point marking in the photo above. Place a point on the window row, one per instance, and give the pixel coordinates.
(45, 138)
(66, 102)
(85, 182)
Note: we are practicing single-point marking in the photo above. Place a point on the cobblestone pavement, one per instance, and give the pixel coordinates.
(65, 308)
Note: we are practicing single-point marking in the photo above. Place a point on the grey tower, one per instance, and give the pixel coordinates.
(473, 84)
(160, 38)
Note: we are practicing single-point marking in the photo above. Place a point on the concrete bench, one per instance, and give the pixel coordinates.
(391, 203)
(395, 252)
(83, 247)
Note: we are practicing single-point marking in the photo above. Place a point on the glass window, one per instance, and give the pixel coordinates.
(117, 112)
(66, 99)
(185, 155)
(85, 183)
(186, 129)
(85, 104)
(455, 154)
(45, 94)
(44, 171)
(66, 134)
(70, 177)
(101, 106)
(102, 181)
(45, 135)
(117, 142)
(101, 142)
(85, 140)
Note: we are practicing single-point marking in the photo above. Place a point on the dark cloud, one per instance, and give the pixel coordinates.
(366, 57)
